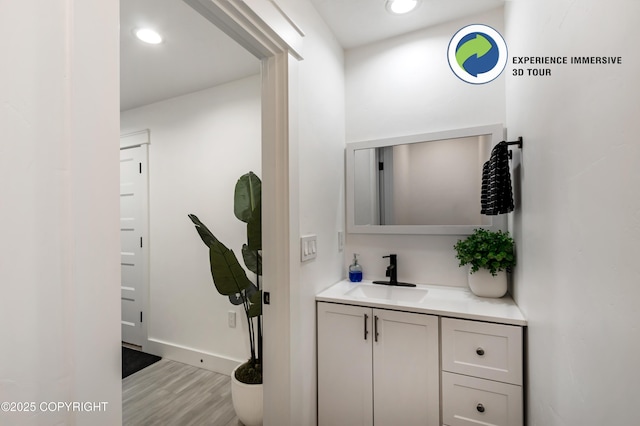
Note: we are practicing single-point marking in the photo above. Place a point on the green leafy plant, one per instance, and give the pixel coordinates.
(488, 250)
(230, 278)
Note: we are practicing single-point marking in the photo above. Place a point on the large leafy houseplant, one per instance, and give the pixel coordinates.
(488, 250)
(230, 278)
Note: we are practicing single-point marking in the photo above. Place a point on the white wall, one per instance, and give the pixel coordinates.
(59, 267)
(404, 86)
(201, 144)
(319, 114)
(578, 229)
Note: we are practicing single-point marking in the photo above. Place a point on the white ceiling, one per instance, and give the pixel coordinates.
(359, 22)
(196, 55)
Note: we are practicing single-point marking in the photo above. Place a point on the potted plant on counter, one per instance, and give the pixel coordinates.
(230, 279)
(490, 255)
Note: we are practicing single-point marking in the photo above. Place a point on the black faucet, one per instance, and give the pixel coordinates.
(392, 269)
(392, 272)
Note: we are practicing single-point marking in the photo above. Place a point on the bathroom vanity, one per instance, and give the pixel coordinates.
(429, 355)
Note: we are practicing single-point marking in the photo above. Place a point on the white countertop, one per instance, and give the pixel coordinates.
(440, 300)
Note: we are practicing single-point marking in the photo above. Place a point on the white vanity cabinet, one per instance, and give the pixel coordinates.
(481, 373)
(430, 356)
(377, 367)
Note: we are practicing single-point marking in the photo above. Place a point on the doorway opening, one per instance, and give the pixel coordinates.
(278, 69)
(197, 97)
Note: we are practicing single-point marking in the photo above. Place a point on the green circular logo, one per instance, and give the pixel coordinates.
(477, 54)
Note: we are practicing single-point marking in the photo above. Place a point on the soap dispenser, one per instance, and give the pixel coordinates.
(355, 270)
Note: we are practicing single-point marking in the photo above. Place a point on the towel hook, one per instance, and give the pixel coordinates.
(518, 142)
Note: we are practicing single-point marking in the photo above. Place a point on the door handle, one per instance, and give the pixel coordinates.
(375, 328)
(366, 319)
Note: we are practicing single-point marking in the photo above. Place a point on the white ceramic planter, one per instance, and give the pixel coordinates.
(483, 284)
(247, 401)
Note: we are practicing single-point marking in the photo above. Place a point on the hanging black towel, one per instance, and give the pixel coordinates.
(496, 194)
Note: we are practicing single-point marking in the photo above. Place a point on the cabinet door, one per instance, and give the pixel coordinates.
(405, 369)
(344, 365)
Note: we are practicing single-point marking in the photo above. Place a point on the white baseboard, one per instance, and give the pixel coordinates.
(190, 356)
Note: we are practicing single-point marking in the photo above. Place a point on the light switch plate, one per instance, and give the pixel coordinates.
(308, 247)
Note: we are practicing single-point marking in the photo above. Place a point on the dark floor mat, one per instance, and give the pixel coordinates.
(133, 361)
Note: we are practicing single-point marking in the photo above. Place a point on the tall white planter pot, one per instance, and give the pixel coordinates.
(483, 284)
(247, 401)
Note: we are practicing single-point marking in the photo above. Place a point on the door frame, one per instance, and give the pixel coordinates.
(132, 140)
(262, 27)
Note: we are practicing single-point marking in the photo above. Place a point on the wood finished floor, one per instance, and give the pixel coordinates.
(175, 394)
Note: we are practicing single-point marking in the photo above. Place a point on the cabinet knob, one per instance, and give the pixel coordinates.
(480, 351)
(480, 408)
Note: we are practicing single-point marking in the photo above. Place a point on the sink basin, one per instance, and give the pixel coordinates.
(388, 293)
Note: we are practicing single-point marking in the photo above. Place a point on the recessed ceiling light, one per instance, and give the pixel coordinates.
(148, 35)
(400, 7)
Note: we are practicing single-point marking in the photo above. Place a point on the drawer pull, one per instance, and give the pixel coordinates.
(480, 408)
(480, 351)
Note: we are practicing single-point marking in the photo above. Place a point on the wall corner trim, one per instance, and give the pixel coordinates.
(140, 137)
(260, 26)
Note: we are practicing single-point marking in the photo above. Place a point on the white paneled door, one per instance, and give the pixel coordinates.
(133, 233)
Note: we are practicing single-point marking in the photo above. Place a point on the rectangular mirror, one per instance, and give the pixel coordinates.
(420, 184)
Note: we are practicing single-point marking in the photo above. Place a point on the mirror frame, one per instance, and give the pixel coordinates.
(498, 222)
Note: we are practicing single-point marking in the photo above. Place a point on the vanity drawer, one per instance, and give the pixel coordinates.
(480, 349)
(468, 401)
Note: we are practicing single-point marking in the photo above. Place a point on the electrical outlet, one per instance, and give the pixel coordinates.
(340, 240)
(232, 319)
